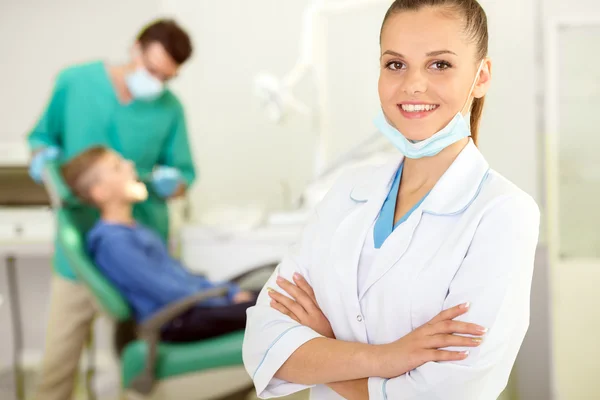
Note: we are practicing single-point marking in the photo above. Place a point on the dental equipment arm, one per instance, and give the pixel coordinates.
(282, 93)
(307, 54)
(277, 94)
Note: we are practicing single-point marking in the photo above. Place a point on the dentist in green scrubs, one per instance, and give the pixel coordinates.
(129, 109)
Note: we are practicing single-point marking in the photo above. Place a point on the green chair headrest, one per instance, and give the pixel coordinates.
(74, 219)
(60, 194)
(72, 243)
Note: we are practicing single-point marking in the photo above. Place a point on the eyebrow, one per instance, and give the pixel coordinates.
(430, 54)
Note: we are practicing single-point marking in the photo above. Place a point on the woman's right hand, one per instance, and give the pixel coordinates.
(422, 345)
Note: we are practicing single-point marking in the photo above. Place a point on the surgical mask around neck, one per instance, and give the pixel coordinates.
(458, 128)
(143, 86)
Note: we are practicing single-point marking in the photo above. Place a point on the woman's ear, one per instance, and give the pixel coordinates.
(484, 79)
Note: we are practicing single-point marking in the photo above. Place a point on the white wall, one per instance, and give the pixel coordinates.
(235, 40)
(508, 135)
(560, 8)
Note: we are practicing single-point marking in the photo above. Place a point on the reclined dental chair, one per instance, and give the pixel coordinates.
(216, 363)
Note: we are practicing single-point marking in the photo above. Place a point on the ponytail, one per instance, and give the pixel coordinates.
(476, 112)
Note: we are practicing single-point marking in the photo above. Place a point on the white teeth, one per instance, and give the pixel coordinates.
(418, 107)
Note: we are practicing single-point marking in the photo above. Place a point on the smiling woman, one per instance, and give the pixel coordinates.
(416, 76)
(412, 279)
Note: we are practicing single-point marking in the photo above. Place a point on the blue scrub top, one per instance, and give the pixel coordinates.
(384, 226)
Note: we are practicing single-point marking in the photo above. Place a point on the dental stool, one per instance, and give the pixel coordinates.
(216, 363)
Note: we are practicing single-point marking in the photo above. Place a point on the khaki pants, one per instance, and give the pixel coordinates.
(72, 312)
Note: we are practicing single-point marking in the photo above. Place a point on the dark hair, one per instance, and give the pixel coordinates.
(171, 36)
(74, 170)
(475, 26)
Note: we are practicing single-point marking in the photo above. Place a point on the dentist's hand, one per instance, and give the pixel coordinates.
(422, 345)
(166, 181)
(303, 308)
(39, 160)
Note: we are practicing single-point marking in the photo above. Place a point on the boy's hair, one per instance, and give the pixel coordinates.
(76, 172)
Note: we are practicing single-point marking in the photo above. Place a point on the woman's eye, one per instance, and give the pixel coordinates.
(394, 65)
(441, 65)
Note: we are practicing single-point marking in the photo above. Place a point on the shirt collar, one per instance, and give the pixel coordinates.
(452, 194)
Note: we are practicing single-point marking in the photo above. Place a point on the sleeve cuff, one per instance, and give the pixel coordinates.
(277, 354)
(187, 178)
(36, 144)
(377, 388)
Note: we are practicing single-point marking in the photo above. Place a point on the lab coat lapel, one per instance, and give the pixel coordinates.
(469, 170)
(392, 250)
(350, 236)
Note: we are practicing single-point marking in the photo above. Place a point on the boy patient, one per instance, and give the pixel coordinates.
(137, 261)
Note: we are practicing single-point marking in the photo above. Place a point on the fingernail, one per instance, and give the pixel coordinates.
(270, 289)
(279, 279)
(466, 353)
(296, 275)
(482, 329)
(466, 305)
(477, 340)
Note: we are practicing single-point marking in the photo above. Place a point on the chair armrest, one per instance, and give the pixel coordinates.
(149, 332)
(256, 276)
(171, 311)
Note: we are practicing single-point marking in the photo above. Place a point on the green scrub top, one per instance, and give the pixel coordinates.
(85, 111)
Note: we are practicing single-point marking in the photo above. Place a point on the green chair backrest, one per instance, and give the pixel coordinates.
(73, 221)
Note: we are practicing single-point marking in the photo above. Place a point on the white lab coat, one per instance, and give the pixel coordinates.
(472, 239)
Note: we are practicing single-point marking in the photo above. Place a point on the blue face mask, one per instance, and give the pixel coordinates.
(143, 86)
(458, 128)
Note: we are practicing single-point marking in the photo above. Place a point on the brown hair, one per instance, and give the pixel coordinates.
(475, 26)
(74, 171)
(171, 36)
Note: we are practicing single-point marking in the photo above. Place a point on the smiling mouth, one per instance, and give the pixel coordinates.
(417, 108)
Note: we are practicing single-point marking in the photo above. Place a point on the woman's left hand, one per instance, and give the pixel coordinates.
(302, 307)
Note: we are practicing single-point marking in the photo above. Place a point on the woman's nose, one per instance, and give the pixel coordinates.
(414, 82)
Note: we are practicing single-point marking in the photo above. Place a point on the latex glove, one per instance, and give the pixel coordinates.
(166, 180)
(36, 168)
